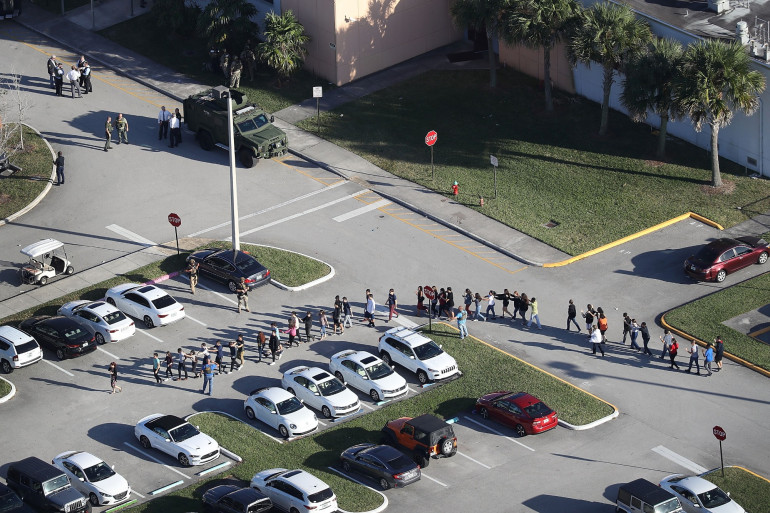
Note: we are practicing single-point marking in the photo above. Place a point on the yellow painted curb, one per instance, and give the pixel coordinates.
(534, 367)
(636, 235)
(727, 355)
(752, 473)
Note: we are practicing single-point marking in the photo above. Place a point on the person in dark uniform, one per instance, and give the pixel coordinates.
(58, 79)
(52, 70)
(192, 270)
(59, 169)
(85, 77)
(108, 133)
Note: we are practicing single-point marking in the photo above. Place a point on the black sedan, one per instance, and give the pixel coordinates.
(383, 463)
(232, 499)
(230, 266)
(67, 337)
(724, 256)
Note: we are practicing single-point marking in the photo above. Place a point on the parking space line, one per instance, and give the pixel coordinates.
(362, 210)
(128, 234)
(498, 433)
(156, 460)
(68, 373)
(108, 354)
(473, 460)
(138, 494)
(679, 459)
(151, 336)
(268, 209)
(423, 474)
(210, 290)
(367, 406)
(196, 320)
(299, 214)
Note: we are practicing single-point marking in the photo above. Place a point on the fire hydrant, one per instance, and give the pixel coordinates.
(455, 189)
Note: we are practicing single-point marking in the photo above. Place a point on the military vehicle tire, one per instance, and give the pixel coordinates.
(246, 157)
(205, 140)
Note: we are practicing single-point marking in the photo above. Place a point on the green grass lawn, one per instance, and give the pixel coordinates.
(36, 163)
(552, 167)
(187, 54)
(748, 490)
(703, 318)
(5, 388)
(287, 267)
(281, 263)
(485, 369)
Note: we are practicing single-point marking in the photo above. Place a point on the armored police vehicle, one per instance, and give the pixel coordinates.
(254, 134)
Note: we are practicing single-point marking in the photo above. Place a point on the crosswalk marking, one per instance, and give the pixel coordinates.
(363, 210)
(128, 234)
(679, 459)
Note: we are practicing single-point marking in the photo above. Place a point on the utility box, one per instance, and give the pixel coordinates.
(718, 6)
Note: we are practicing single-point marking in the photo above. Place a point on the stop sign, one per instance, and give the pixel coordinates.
(428, 291)
(175, 220)
(431, 138)
(719, 433)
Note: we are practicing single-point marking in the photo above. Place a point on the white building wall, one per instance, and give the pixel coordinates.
(746, 137)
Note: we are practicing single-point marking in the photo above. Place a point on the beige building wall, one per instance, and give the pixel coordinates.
(530, 61)
(355, 38)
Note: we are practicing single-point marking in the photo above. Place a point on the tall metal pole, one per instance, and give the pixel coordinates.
(233, 186)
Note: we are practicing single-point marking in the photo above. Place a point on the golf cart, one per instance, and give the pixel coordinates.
(47, 258)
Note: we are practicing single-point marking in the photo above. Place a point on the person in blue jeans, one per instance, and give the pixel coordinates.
(534, 316)
(461, 318)
(491, 305)
(635, 329)
(708, 358)
(477, 302)
(693, 350)
(208, 376)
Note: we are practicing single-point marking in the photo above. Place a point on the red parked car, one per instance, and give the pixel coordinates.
(724, 256)
(525, 413)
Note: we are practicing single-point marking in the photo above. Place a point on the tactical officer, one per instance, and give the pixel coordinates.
(122, 125)
(249, 60)
(192, 269)
(108, 133)
(242, 290)
(235, 73)
(224, 64)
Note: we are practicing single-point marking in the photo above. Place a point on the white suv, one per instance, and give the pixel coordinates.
(17, 349)
(417, 353)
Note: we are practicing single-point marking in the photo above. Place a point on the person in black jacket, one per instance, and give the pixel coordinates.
(571, 314)
(59, 162)
(274, 345)
(52, 69)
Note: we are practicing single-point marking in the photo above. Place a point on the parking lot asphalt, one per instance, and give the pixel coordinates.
(666, 419)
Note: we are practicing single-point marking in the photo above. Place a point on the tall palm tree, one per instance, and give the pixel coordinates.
(715, 80)
(284, 47)
(649, 85)
(609, 34)
(228, 21)
(539, 24)
(478, 14)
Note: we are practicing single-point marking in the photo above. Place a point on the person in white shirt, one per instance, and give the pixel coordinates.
(174, 125)
(74, 77)
(596, 340)
(163, 118)
(370, 307)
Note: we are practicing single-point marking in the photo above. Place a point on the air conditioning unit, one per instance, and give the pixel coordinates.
(718, 6)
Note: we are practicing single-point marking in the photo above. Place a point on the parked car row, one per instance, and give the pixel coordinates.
(675, 494)
(73, 482)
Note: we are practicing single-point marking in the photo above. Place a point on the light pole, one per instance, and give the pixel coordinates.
(224, 92)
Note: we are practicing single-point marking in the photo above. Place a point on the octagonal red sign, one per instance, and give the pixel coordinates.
(431, 138)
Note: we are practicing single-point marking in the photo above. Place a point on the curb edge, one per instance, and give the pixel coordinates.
(10, 394)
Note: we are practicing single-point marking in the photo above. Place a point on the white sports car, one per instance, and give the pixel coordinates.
(319, 389)
(176, 437)
(108, 323)
(368, 374)
(93, 478)
(146, 302)
(280, 410)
